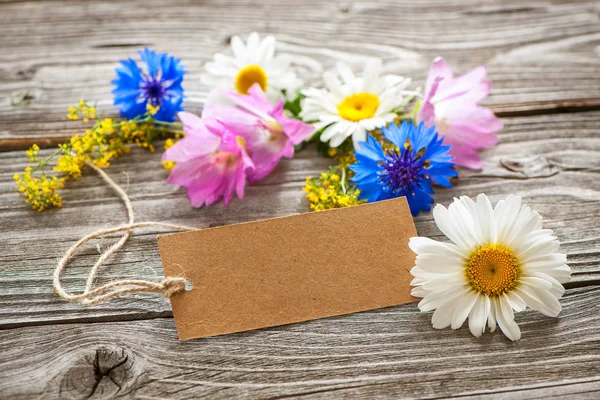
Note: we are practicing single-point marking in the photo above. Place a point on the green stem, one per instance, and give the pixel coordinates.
(45, 161)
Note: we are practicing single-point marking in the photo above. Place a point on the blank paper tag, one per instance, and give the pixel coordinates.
(290, 269)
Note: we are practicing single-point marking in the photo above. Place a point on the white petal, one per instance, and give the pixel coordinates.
(419, 292)
(446, 224)
(239, 50)
(421, 245)
(557, 288)
(442, 317)
(359, 135)
(536, 282)
(437, 264)
(534, 236)
(506, 321)
(462, 310)
(445, 281)
(550, 305)
(424, 276)
(486, 218)
(435, 299)
(536, 303)
(543, 246)
(516, 302)
(266, 50)
(330, 132)
(465, 222)
(371, 75)
(252, 45)
(479, 315)
(492, 314)
(506, 213)
(470, 206)
(345, 73)
(547, 261)
(561, 274)
(333, 84)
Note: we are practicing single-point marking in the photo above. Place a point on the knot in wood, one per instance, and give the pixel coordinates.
(105, 372)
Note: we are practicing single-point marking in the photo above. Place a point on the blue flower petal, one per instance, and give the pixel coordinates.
(162, 71)
(406, 172)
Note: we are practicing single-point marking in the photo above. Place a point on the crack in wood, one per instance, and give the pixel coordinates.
(100, 371)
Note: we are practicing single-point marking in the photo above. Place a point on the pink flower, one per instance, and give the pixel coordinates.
(451, 105)
(270, 135)
(212, 162)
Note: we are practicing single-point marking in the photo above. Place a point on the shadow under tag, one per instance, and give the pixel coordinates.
(290, 269)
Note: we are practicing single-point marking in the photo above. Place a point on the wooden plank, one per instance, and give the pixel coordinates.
(541, 58)
(551, 160)
(392, 352)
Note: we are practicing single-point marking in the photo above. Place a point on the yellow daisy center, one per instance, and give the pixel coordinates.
(359, 106)
(492, 270)
(248, 76)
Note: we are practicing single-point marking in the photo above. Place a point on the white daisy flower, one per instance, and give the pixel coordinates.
(252, 62)
(501, 260)
(350, 106)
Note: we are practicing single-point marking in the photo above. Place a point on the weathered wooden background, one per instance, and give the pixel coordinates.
(543, 58)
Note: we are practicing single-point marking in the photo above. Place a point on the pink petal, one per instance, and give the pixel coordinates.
(438, 70)
(473, 81)
(266, 156)
(192, 146)
(240, 183)
(255, 103)
(259, 97)
(296, 130)
(184, 173)
(426, 112)
(475, 119)
(205, 192)
(192, 124)
(465, 156)
(277, 111)
(239, 122)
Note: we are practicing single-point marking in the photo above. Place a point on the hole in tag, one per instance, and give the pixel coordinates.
(189, 285)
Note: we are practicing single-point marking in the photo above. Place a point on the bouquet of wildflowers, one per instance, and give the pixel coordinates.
(385, 138)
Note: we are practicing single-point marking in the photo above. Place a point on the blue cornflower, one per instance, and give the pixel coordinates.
(157, 83)
(416, 159)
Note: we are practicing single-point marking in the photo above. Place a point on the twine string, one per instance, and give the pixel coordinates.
(167, 287)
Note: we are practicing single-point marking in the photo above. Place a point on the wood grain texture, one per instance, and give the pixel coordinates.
(540, 57)
(543, 59)
(389, 352)
(553, 161)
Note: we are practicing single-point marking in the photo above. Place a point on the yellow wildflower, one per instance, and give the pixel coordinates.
(331, 190)
(73, 114)
(168, 165)
(106, 126)
(152, 110)
(32, 153)
(40, 193)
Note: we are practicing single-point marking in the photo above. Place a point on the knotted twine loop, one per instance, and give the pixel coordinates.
(167, 287)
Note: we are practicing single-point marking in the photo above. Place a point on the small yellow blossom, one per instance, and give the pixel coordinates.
(40, 192)
(100, 143)
(32, 153)
(83, 110)
(73, 114)
(331, 190)
(106, 126)
(168, 165)
(152, 110)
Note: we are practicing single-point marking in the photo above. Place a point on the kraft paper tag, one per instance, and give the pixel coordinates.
(290, 269)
